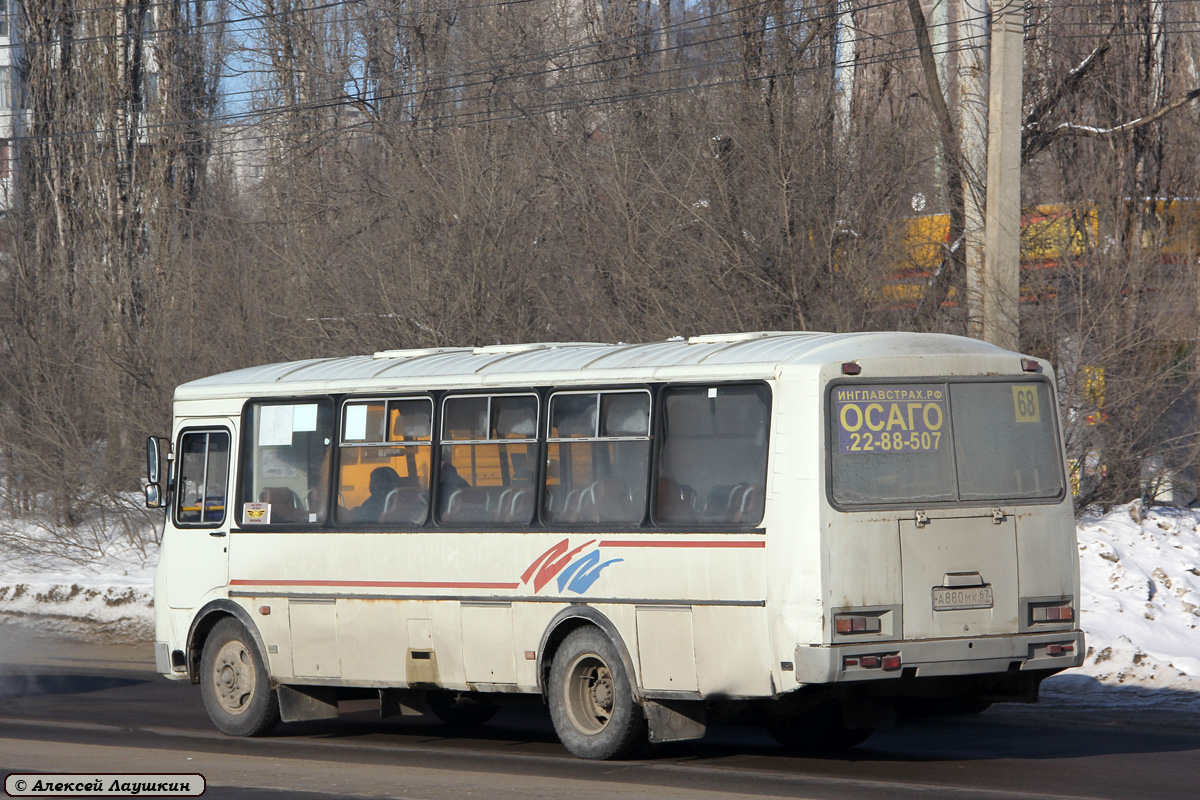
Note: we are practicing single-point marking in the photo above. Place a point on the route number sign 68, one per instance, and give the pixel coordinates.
(1025, 403)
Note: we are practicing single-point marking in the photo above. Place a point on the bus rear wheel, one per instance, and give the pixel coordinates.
(234, 682)
(458, 711)
(591, 698)
(820, 728)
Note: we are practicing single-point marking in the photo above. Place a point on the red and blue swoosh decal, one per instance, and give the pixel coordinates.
(575, 573)
(576, 569)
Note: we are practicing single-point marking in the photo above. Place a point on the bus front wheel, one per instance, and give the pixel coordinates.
(234, 682)
(591, 698)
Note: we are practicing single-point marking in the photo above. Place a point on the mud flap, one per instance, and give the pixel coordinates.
(675, 720)
(405, 703)
(298, 703)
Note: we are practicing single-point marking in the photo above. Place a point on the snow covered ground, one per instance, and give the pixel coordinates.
(1140, 575)
(1140, 586)
(97, 584)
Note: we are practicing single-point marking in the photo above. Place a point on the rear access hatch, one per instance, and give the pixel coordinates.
(959, 576)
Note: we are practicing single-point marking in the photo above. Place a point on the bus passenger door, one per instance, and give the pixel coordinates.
(194, 549)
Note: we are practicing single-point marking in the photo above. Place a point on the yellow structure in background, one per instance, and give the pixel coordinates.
(1093, 385)
(1049, 234)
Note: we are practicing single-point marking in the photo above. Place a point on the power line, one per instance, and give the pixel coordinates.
(341, 98)
(467, 118)
(557, 105)
(149, 34)
(488, 66)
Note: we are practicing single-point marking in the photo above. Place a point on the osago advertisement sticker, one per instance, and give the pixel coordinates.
(890, 419)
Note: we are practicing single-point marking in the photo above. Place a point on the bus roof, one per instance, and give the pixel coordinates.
(720, 356)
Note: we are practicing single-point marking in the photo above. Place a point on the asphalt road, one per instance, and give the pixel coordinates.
(67, 706)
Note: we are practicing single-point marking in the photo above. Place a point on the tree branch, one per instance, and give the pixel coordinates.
(1092, 132)
(1033, 139)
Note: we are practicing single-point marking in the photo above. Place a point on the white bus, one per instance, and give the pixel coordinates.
(804, 530)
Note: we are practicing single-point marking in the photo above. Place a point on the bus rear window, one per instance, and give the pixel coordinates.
(944, 443)
(1004, 441)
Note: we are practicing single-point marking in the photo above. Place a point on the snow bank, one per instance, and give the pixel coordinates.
(102, 591)
(1140, 603)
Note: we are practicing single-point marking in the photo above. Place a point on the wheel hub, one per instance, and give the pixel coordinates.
(602, 690)
(591, 694)
(234, 677)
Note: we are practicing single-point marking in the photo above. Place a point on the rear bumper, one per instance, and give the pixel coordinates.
(823, 664)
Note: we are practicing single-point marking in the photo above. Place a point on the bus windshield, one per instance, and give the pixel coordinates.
(944, 442)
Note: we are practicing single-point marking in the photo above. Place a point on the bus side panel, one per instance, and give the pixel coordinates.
(488, 643)
(793, 519)
(379, 592)
(379, 624)
(1048, 554)
(666, 648)
(863, 563)
(314, 634)
(274, 627)
(733, 652)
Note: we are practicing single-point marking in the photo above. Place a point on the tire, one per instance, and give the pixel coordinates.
(818, 729)
(845, 738)
(591, 699)
(922, 708)
(459, 711)
(235, 684)
(971, 705)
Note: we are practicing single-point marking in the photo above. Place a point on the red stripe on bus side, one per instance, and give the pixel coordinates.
(380, 584)
(635, 543)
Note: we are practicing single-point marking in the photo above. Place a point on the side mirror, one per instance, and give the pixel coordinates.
(154, 478)
(152, 460)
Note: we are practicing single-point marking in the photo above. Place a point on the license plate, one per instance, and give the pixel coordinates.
(953, 598)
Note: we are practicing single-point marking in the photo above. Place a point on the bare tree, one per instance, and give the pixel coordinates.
(432, 174)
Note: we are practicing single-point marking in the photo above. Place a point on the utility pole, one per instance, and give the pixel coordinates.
(990, 90)
(1002, 246)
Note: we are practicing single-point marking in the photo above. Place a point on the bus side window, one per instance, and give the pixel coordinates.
(598, 457)
(384, 461)
(488, 459)
(712, 465)
(285, 462)
(203, 478)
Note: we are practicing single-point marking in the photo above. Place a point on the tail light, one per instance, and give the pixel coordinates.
(886, 662)
(1063, 612)
(847, 624)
